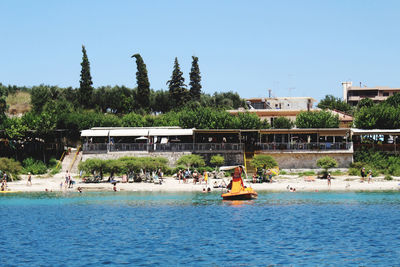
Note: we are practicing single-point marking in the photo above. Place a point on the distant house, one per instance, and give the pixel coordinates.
(354, 94)
(284, 103)
(267, 109)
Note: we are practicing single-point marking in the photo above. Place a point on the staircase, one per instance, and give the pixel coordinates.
(249, 167)
(72, 160)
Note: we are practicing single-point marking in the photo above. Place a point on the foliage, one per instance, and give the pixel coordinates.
(11, 167)
(93, 166)
(85, 83)
(327, 163)
(143, 89)
(177, 88)
(379, 162)
(195, 79)
(3, 103)
(317, 119)
(365, 102)
(331, 102)
(34, 166)
(263, 162)
(283, 123)
(380, 116)
(388, 178)
(191, 160)
(217, 160)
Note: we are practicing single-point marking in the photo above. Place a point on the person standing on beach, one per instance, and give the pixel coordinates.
(329, 179)
(29, 179)
(205, 177)
(369, 176)
(67, 179)
(363, 175)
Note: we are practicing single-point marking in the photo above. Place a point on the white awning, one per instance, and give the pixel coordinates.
(375, 131)
(129, 132)
(170, 132)
(94, 133)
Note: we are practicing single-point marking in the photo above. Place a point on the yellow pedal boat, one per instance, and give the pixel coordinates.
(237, 189)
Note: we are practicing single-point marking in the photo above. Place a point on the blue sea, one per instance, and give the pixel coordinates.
(197, 229)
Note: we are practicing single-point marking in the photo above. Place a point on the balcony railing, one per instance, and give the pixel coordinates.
(303, 146)
(170, 147)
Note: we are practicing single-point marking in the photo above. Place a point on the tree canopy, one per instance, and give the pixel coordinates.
(85, 83)
(177, 88)
(195, 79)
(331, 102)
(143, 89)
(317, 119)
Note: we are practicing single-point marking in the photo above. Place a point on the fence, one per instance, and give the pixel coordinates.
(303, 146)
(170, 147)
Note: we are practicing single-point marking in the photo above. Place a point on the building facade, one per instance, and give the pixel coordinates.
(354, 94)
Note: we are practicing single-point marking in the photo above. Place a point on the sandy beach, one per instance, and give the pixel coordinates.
(280, 184)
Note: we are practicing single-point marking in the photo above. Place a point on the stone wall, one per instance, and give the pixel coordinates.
(308, 160)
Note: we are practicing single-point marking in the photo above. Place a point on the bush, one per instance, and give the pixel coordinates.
(34, 166)
(11, 167)
(217, 160)
(263, 161)
(191, 160)
(326, 163)
(388, 178)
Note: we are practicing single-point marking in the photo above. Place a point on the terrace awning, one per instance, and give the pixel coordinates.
(94, 133)
(170, 132)
(129, 132)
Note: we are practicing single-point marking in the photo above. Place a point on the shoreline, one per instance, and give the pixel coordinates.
(280, 184)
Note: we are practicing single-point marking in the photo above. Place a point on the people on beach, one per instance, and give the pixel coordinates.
(4, 184)
(67, 179)
(328, 177)
(363, 174)
(29, 182)
(115, 187)
(205, 175)
(369, 176)
(79, 189)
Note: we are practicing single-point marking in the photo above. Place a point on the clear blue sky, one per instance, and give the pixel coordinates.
(244, 46)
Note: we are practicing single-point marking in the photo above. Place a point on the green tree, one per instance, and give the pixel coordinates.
(191, 160)
(365, 102)
(143, 89)
(93, 166)
(394, 100)
(217, 161)
(177, 88)
(326, 163)
(3, 103)
(85, 83)
(283, 123)
(380, 116)
(263, 162)
(195, 79)
(331, 102)
(317, 119)
(11, 167)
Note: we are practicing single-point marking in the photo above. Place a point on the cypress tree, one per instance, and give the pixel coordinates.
(195, 78)
(85, 88)
(143, 93)
(177, 89)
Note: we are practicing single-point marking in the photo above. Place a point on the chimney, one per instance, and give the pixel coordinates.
(346, 86)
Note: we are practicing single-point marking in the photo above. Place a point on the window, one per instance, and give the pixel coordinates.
(385, 94)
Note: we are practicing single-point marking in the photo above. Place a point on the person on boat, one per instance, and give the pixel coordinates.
(229, 186)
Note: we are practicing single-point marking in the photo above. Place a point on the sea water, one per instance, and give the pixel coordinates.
(199, 229)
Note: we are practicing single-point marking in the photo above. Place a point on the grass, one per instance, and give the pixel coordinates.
(19, 103)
